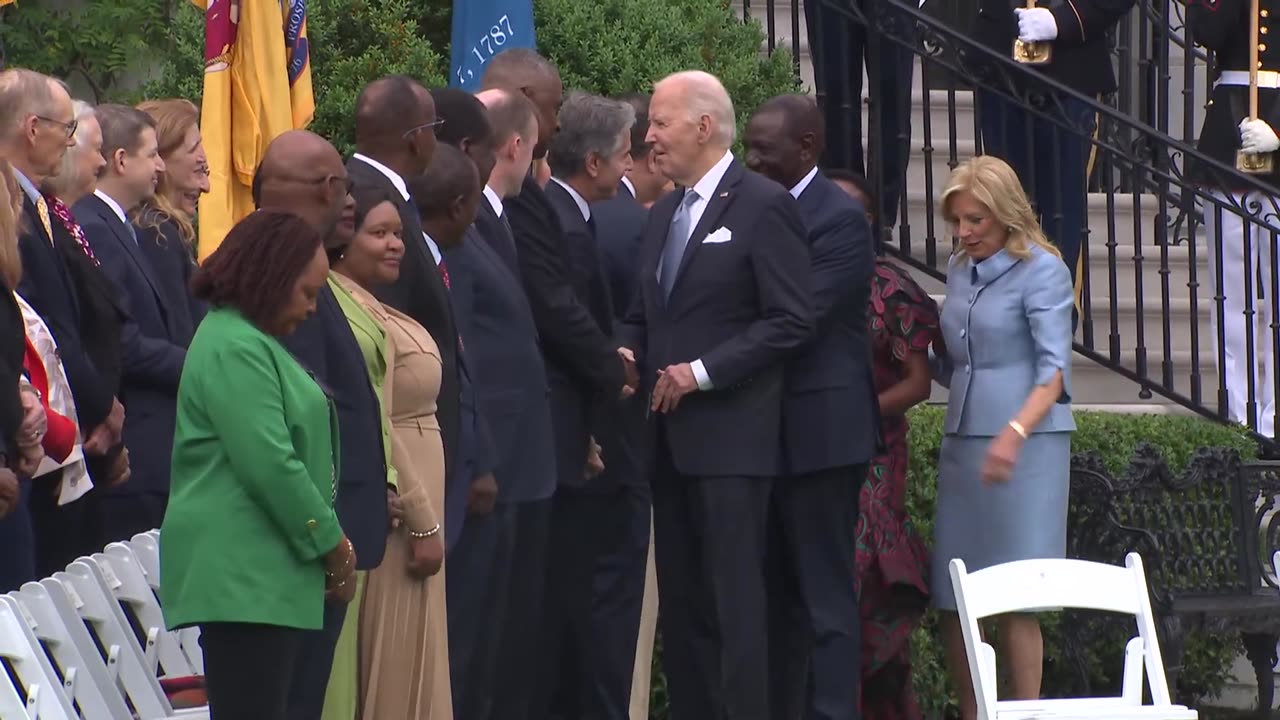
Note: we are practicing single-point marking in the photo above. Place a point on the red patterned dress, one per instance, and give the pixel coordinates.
(892, 560)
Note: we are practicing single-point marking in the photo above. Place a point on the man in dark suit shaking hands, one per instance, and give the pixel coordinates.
(725, 297)
(830, 425)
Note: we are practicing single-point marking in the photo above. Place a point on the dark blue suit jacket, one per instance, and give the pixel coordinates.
(153, 347)
(622, 433)
(577, 407)
(48, 285)
(742, 306)
(505, 364)
(325, 345)
(830, 415)
(174, 265)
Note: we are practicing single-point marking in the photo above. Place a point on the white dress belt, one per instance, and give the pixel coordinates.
(1266, 78)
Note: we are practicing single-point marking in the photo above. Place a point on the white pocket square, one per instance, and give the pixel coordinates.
(721, 235)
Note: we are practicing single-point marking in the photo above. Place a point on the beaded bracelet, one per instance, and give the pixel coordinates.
(421, 535)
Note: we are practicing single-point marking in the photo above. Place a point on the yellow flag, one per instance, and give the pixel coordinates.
(257, 85)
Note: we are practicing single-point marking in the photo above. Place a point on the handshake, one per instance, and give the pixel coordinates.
(631, 376)
(674, 382)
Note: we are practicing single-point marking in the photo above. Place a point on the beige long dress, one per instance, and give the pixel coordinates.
(404, 643)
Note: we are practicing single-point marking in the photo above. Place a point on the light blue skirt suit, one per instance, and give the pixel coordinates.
(1007, 327)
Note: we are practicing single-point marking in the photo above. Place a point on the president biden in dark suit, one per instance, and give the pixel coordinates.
(725, 297)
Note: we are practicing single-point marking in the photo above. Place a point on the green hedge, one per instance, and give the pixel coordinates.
(1114, 438)
(605, 46)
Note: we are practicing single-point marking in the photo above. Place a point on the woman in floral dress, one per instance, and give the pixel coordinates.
(892, 560)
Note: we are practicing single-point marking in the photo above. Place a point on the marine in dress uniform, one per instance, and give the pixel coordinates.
(1052, 161)
(1245, 263)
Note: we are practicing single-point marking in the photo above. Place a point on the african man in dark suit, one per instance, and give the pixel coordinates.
(830, 423)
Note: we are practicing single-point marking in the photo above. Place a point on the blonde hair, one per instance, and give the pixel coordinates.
(993, 183)
(10, 211)
(174, 117)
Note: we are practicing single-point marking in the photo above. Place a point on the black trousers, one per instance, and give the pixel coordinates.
(523, 579)
(840, 48)
(125, 514)
(475, 602)
(314, 664)
(18, 557)
(618, 597)
(594, 595)
(249, 669)
(814, 622)
(562, 690)
(62, 533)
(709, 546)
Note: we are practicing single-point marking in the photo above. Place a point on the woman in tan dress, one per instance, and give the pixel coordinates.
(404, 658)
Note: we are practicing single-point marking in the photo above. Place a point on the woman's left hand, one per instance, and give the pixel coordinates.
(1002, 455)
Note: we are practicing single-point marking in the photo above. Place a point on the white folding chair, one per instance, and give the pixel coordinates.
(146, 548)
(31, 669)
(85, 676)
(1031, 585)
(95, 605)
(161, 648)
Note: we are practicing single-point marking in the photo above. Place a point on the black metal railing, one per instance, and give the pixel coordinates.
(1150, 233)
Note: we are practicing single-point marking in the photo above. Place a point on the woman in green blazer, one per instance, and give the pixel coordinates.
(250, 543)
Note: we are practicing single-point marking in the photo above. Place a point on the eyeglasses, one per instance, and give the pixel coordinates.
(434, 126)
(70, 127)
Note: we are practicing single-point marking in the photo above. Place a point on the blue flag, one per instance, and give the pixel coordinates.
(481, 30)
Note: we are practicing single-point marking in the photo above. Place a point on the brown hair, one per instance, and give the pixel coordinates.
(10, 209)
(256, 267)
(173, 118)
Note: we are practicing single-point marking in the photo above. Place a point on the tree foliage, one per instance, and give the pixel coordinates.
(101, 47)
(619, 46)
(352, 43)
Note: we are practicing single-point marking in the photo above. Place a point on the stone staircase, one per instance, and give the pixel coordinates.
(1096, 387)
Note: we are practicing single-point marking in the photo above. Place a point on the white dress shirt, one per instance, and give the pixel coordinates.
(400, 185)
(111, 203)
(704, 189)
(631, 187)
(804, 183)
(581, 202)
(495, 201)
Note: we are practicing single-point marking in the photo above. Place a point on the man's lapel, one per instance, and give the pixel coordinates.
(130, 242)
(710, 219)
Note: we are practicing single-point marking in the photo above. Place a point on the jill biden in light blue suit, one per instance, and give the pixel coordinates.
(1005, 356)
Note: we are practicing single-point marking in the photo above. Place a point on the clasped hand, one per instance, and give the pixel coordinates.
(1036, 25)
(31, 433)
(1256, 137)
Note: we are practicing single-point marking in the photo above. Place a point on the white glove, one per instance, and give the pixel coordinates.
(1256, 136)
(1036, 25)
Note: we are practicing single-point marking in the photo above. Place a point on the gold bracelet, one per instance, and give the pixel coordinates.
(1018, 428)
(346, 564)
(422, 535)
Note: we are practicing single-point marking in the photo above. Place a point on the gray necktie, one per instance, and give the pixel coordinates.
(677, 240)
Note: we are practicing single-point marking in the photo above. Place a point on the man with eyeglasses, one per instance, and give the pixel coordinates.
(395, 139)
(37, 125)
(303, 174)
